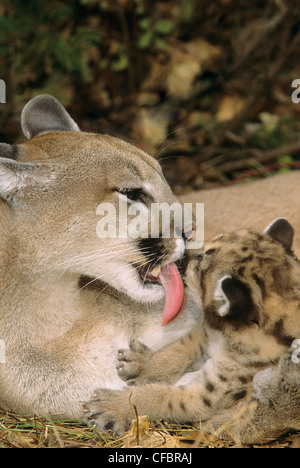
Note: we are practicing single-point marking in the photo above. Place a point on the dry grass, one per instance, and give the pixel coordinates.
(18, 431)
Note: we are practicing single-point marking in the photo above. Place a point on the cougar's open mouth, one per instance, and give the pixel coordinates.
(150, 276)
(169, 278)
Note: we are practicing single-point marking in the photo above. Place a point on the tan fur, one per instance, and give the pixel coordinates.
(248, 285)
(69, 300)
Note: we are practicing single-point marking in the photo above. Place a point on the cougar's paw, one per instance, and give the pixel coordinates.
(106, 411)
(132, 363)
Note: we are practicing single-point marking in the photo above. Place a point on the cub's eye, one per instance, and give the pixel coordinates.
(133, 194)
(210, 251)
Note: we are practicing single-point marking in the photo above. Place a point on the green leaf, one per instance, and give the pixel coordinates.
(88, 2)
(159, 44)
(163, 26)
(285, 159)
(120, 64)
(104, 5)
(145, 40)
(145, 23)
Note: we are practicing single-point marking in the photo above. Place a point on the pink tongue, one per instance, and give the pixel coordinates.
(175, 297)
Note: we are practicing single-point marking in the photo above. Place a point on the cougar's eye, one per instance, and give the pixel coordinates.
(133, 194)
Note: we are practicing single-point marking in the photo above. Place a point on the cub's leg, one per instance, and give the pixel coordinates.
(276, 397)
(115, 409)
(139, 365)
(272, 410)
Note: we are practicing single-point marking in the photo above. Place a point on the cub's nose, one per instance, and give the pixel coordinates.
(189, 256)
(182, 264)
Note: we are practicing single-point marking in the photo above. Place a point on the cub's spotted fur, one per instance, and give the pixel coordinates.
(248, 286)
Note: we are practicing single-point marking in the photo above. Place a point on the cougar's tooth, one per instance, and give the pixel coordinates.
(156, 271)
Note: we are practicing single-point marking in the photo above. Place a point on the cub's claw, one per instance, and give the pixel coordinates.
(105, 411)
(132, 363)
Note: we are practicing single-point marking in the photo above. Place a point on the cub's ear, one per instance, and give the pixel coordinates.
(20, 178)
(234, 301)
(45, 114)
(282, 231)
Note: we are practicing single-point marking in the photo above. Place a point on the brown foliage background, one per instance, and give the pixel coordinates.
(204, 86)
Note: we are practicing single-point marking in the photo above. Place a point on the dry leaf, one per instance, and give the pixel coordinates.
(295, 439)
(196, 438)
(187, 61)
(152, 124)
(138, 431)
(182, 76)
(19, 440)
(229, 108)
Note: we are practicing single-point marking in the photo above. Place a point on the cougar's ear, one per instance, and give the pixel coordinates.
(8, 151)
(45, 114)
(234, 301)
(20, 178)
(282, 231)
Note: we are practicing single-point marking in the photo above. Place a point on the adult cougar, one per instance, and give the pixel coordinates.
(69, 300)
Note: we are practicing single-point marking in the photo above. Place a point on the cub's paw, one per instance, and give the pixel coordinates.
(106, 411)
(133, 362)
(289, 370)
(281, 384)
